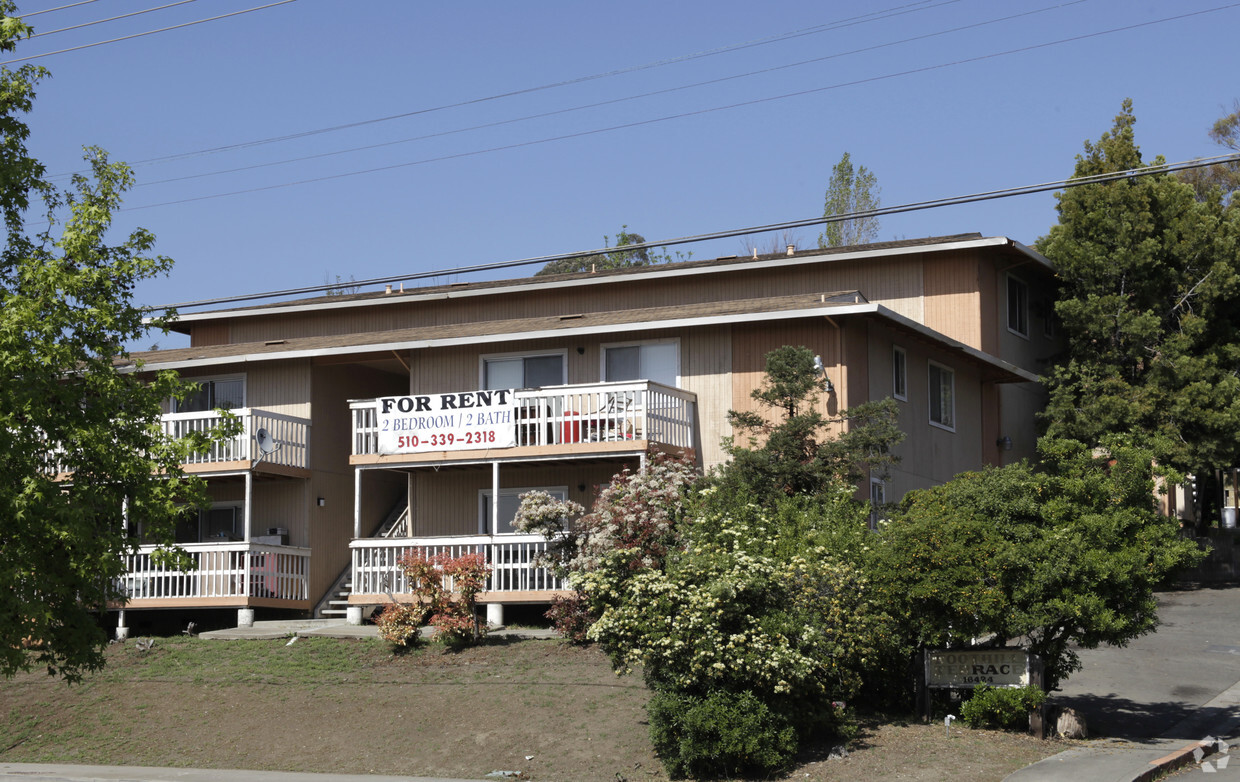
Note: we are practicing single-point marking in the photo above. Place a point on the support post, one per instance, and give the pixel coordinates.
(357, 503)
(495, 615)
(353, 615)
(245, 617)
(249, 504)
(494, 499)
(122, 632)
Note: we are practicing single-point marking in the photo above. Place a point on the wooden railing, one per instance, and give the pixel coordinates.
(511, 559)
(224, 570)
(560, 415)
(290, 435)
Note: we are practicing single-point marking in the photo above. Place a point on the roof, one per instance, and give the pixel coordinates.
(834, 304)
(681, 268)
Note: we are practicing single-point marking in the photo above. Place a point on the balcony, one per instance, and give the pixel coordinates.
(577, 419)
(228, 574)
(290, 436)
(514, 574)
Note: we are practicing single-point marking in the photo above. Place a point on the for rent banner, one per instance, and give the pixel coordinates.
(447, 422)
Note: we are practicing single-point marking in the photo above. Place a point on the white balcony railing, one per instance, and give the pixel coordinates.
(560, 415)
(290, 435)
(225, 570)
(510, 557)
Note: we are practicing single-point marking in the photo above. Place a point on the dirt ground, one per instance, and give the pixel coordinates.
(550, 710)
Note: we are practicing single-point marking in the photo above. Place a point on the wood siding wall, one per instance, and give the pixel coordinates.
(895, 282)
(447, 501)
(953, 298)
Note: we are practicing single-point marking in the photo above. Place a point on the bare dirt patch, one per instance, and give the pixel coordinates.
(553, 711)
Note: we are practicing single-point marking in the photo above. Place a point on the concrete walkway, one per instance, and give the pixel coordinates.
(339, 628)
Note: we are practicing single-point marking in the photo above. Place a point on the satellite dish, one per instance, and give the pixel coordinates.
(266, 443)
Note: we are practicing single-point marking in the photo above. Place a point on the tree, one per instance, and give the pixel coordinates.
(616, 259)
(850, 191)
(68, 407)
(796, 453)
(1148, 279)
(1225, 176)
(1067, 556)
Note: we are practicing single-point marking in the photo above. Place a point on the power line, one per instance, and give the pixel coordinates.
(682, 115)
(148, 32)
(989, 195)
(58, 8)
(110, 19)
(598, 104)
(887, 13)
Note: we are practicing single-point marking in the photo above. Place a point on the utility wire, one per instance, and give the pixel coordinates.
(558, 112)
(1132, 173)
(682, 115)
(887, 13)
(58, 8)
(148, 32)
(110, 19)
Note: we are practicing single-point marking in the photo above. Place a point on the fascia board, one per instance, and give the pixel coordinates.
(657, 272)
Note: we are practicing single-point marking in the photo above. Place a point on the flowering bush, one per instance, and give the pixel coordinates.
(398, 623)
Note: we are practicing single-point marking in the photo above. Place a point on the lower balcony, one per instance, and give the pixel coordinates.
(228, 575)
(515, 576)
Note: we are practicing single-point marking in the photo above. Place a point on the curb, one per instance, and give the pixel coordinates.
(1181, 757)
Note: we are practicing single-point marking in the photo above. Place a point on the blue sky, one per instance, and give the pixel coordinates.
(996, 104)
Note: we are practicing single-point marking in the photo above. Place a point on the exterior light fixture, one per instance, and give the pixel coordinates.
(1004, 443)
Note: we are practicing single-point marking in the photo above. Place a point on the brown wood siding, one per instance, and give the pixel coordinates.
(952, 297)
(279, 387)
(447, 501)
(331, 526)
(204, 334)
(281, 503)
(751, 343)
(706, 370)
(894, 282)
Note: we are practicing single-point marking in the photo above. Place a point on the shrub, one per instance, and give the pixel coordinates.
(1005, 708)
(571, 616)
(723, 734)
(398, 623)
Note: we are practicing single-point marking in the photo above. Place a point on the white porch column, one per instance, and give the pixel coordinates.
(122, 632)
(353, 615)
(245, 617)
(494, 499)
(357, 502)
(249, 504)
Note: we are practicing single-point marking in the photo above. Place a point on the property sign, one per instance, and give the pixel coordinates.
(447, 422)
(969, 668)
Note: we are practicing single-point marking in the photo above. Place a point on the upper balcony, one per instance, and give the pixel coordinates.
(289, 438)
(597, 418)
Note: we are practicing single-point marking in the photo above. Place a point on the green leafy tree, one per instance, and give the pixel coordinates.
(849, 191)
(619, 258)
(1065, 557)
(789, 446)
(1224, 176)
(1149, 276)
(78, 429)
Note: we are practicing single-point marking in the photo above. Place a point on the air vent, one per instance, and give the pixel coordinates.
(571, 317)
(276, 342)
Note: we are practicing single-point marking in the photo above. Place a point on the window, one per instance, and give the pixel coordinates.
(899, 374)
(509, 501)
(878, 501)
(942, 396)
(1018, 306)
(218, 392)
(655, 361)
(535, 371)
